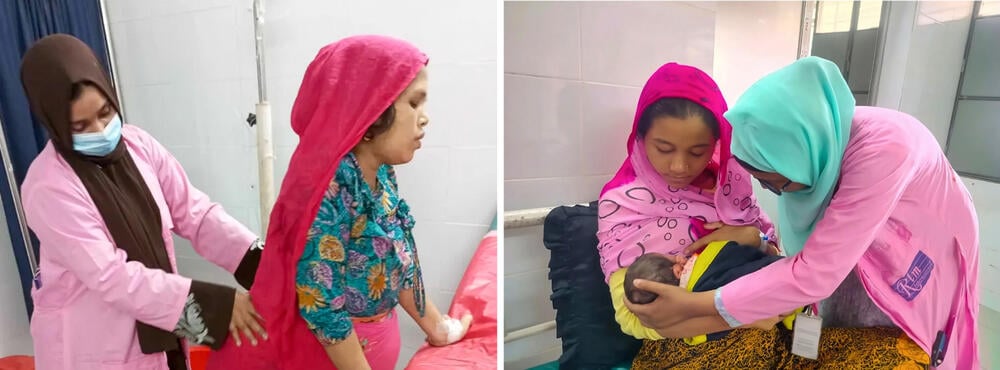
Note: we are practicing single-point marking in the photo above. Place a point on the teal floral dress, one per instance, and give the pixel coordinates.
(359, 254)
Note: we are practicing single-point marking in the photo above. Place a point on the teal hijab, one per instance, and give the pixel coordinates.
(796, 122)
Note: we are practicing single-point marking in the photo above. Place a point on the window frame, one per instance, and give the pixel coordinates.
(845, 69)
(976, 7)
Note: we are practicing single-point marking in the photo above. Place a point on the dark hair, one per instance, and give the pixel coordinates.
(382, 123)
(653, 267)
(679, 108)
(77, 89)
(746, 165)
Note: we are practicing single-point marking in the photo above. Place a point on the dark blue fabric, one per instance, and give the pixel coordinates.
(585, 317)
(22, 22)
(733, 262)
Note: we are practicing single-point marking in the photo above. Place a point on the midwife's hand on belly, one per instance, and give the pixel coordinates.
(246, 321)
(744, 235)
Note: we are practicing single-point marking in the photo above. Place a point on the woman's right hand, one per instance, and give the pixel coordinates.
(245, 320)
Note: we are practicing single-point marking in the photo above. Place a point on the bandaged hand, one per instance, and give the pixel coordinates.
(450, 330)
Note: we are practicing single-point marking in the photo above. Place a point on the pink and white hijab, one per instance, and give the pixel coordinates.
(639, 213)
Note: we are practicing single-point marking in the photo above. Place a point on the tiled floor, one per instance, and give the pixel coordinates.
(989, 344)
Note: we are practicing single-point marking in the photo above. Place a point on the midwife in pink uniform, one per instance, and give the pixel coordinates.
(104, 199)
(868, 207)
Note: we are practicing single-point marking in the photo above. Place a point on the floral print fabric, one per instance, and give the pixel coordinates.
(359, 253)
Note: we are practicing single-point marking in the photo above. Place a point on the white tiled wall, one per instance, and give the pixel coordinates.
(189, 78)
(561, 60)
(14, 336)
(572, 76)
(753, 39)
(933, 65)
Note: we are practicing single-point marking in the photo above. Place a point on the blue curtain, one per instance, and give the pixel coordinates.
(22, 22)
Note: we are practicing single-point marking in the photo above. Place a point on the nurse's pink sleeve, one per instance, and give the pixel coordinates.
(213, 233)
(71, 232)
(872, 182)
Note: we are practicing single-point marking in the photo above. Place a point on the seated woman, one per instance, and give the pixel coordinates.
(341, 254)
(864, 191)
(677, 181)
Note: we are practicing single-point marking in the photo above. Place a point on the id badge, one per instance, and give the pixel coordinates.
(805, 336)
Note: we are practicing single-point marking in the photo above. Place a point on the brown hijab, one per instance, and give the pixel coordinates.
(49, 71)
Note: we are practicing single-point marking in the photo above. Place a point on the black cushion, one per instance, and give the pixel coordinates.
(585, 319)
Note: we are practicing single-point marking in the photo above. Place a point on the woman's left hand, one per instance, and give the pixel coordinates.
(246, 321)
(672, 306)
(744, 235)
(441, 338)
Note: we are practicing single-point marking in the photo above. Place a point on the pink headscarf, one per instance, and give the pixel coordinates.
(639, 213)
(344, 90)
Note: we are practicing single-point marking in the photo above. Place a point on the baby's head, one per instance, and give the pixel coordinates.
(653, 267)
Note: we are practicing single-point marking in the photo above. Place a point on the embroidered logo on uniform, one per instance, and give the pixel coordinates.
(910, 285)
(191, 326)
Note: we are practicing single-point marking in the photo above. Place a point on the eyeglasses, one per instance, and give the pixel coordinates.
(776, 191)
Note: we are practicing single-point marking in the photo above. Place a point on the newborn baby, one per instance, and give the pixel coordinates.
(718, 264)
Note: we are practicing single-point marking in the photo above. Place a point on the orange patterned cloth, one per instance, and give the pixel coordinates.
(840, 348)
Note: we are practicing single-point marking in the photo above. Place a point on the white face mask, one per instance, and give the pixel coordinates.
(99, 144)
